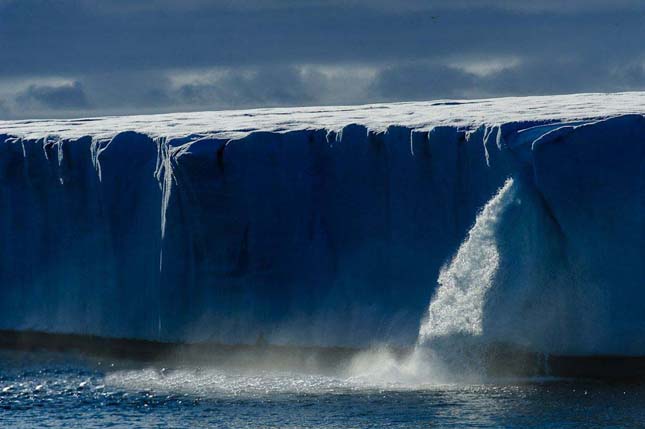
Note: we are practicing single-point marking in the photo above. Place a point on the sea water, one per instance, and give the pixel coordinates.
(40, 389)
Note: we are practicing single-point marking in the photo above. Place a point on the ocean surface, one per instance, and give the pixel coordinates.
(39, 389)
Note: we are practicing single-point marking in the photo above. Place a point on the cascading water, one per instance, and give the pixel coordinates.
(458, 304)
(449, 336)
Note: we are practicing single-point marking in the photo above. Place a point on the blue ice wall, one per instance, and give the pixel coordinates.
(311, 236)
(571, 276)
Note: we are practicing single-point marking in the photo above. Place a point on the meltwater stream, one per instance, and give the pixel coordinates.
(451, 336)
(458, 305)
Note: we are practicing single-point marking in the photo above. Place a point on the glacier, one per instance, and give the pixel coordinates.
(333, 225)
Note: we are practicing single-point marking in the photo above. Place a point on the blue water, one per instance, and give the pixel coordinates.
(55, 390)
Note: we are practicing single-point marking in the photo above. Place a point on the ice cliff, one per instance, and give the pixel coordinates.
(328, 225)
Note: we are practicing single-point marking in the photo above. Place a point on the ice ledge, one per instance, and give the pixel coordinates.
(234, 124)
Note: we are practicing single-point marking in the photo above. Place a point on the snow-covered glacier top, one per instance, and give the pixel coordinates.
(415, 115)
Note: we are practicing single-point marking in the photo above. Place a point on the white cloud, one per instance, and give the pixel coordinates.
(485, 66)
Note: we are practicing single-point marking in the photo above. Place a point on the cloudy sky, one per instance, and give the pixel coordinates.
(66, 58)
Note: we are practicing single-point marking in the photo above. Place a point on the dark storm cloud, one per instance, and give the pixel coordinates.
(79, 36)
(266, 86)
(68, 96)
(4, 109)
(568, 75)
(127, 55)
(130, 89)
(419, 81)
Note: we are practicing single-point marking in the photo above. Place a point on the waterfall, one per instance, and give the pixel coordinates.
(449, 344)
(458, 304)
